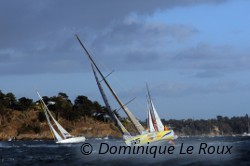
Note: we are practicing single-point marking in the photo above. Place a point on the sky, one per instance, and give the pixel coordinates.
(194, 54)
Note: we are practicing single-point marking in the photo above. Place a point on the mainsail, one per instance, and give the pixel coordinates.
(111, 113)
(48, 114)
(132, 118)
(64, 133)
(149, 121)
(54, 133)
(157, 119)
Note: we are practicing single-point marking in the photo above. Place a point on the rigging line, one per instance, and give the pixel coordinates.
(106, 68)
(98, 61)
(107, 75)
(122, 86)
(136, 123)
(102, 66)
(117, 110)
(119, 83)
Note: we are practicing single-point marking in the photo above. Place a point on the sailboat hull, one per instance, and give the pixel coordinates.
(246, 134)
(72, 140)
(150, 138)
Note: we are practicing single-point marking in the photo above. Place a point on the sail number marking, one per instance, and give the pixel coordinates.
(136, 141)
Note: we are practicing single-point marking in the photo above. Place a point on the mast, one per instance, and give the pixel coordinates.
(105, 99)
(135, 122)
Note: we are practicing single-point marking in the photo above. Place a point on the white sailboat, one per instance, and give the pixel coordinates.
(65, 136)
(143, 137)
(248, 132)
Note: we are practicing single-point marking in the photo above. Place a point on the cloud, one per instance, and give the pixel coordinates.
(177, 89)
(139, 42)
(209, 74)
(40, 34)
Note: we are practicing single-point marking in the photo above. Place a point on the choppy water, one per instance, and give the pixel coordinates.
(49, 153)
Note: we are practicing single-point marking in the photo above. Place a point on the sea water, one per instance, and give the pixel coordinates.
(186, 151)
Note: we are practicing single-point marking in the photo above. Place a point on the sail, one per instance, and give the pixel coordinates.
(157, 119)
(158, 126)
(54, 133)
(149, 120)
(123, 129)
(132, 118)
(64, 133)
(111, 113)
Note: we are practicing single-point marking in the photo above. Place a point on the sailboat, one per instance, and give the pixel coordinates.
(65, 136)
(248, 132)
(143, 137)
(153, 121)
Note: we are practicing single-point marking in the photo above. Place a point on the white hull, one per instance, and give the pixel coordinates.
(246, 134)
(72, 140)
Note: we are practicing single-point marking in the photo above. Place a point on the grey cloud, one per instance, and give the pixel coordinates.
(185, 89)
(208, 74)
(42, 31)
(210, 60)
(177, 89)
(27, 21)
(139, 41)
(140, 33)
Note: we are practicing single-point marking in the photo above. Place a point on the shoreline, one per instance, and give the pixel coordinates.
(111, 137)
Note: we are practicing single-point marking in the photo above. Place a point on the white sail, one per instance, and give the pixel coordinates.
(67, 138)
(64, 133)
(157, 119)
(150, 123)
(55, 134)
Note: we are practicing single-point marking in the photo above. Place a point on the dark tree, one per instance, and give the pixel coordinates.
(24, 103)
(83, 105)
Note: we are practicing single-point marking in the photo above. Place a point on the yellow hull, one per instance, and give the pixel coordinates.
(150, 137)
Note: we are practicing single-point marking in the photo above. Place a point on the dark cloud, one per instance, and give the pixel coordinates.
(39, 34)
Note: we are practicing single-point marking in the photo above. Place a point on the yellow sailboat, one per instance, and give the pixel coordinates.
(144, 136)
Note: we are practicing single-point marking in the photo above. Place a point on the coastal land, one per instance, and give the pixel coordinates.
(24, 119)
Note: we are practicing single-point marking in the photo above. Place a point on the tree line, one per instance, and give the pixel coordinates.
(83, 108)
(221, 125)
